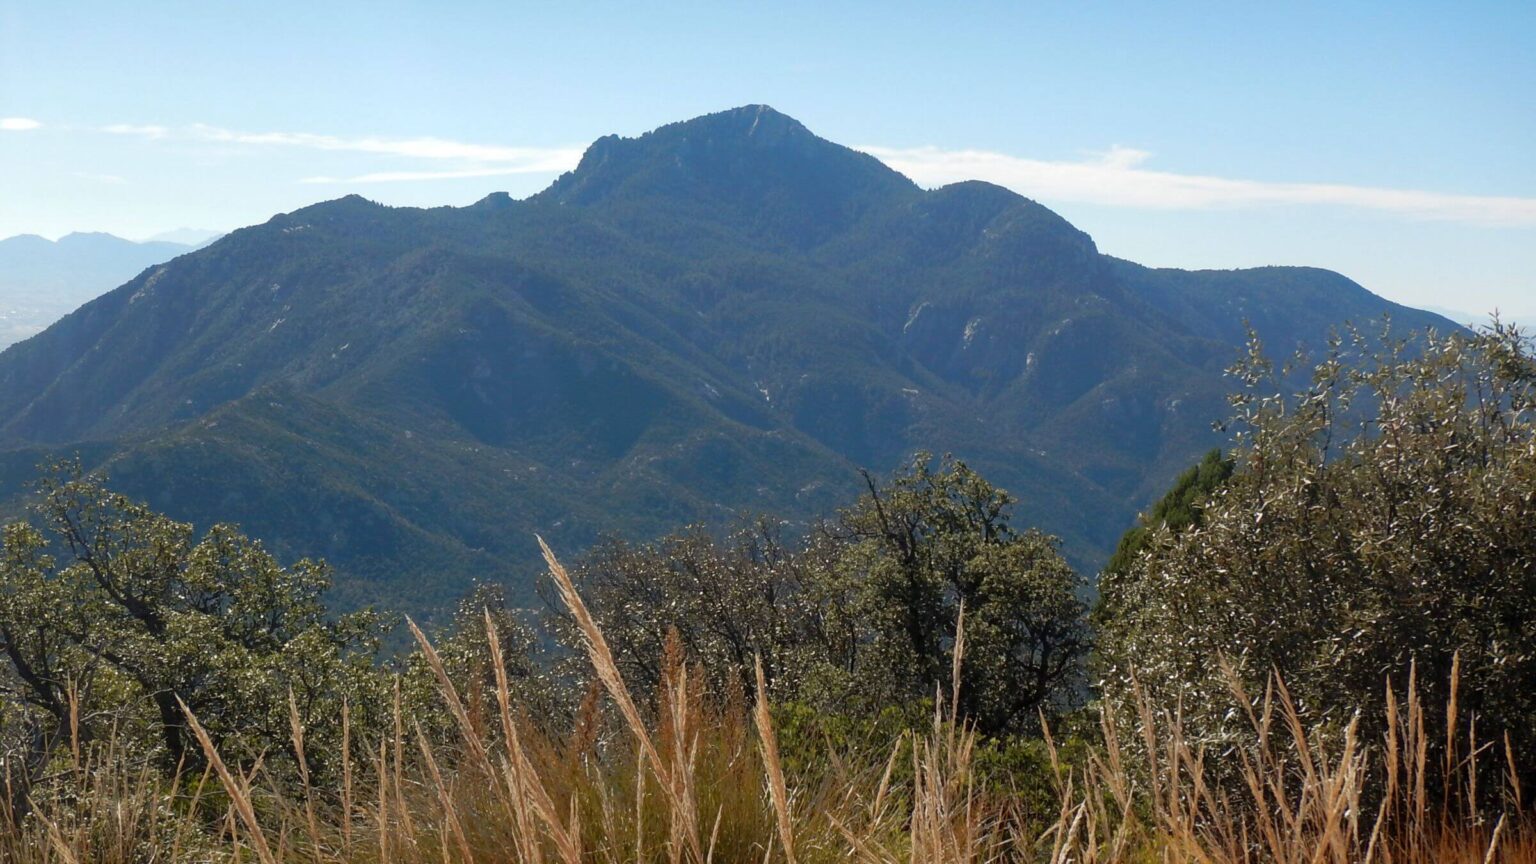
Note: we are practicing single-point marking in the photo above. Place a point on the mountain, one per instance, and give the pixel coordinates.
(194, 237)
(722, 317)
(41, 280)
(1521, 318)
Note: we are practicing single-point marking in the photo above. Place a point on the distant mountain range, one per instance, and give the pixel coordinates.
(41, 280)
(195, 237)
(722, 317)
(1519, 318)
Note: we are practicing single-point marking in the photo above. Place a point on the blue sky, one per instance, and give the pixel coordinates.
(1393, 142)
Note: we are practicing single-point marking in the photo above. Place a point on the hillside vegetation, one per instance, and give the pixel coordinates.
(1316, 649)
(724, 317)
(43, 280)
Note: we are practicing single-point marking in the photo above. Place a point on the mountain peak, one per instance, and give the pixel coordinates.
(351, 208)
(81, 238)
(737, 130)
(495, 201)
(757, 123)
(750, 166)
(34, 241)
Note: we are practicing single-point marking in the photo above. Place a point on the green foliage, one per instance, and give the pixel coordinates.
(863, 617)
(1178, 509)
(728, 601)
(1378, 524)
(1181, 508)
(934, 542)
(114, 616)
(814, 743)
(463, 647)
(808, 733)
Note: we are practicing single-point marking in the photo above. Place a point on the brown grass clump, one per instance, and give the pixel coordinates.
(691, 777)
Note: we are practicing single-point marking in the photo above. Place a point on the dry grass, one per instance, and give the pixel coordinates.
(693, 778)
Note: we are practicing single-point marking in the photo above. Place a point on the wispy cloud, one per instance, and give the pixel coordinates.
(551, 165)
(151, 132)
(18, 124)
(475, 160)
(111, 179)
(1118, 178)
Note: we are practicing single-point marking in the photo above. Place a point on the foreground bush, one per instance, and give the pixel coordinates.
(860, 618)
(1382, 521)
(705, 781)
(112, 617)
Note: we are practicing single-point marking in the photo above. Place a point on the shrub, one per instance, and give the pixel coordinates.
(1381, 522)
(862, 616)
(114, 617)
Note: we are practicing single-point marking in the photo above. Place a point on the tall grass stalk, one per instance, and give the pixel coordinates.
(688, 777)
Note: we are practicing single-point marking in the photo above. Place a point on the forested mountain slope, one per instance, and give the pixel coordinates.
(41, 279)
(722, 317)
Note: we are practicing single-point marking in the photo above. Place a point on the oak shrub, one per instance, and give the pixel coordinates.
(1380, 523)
